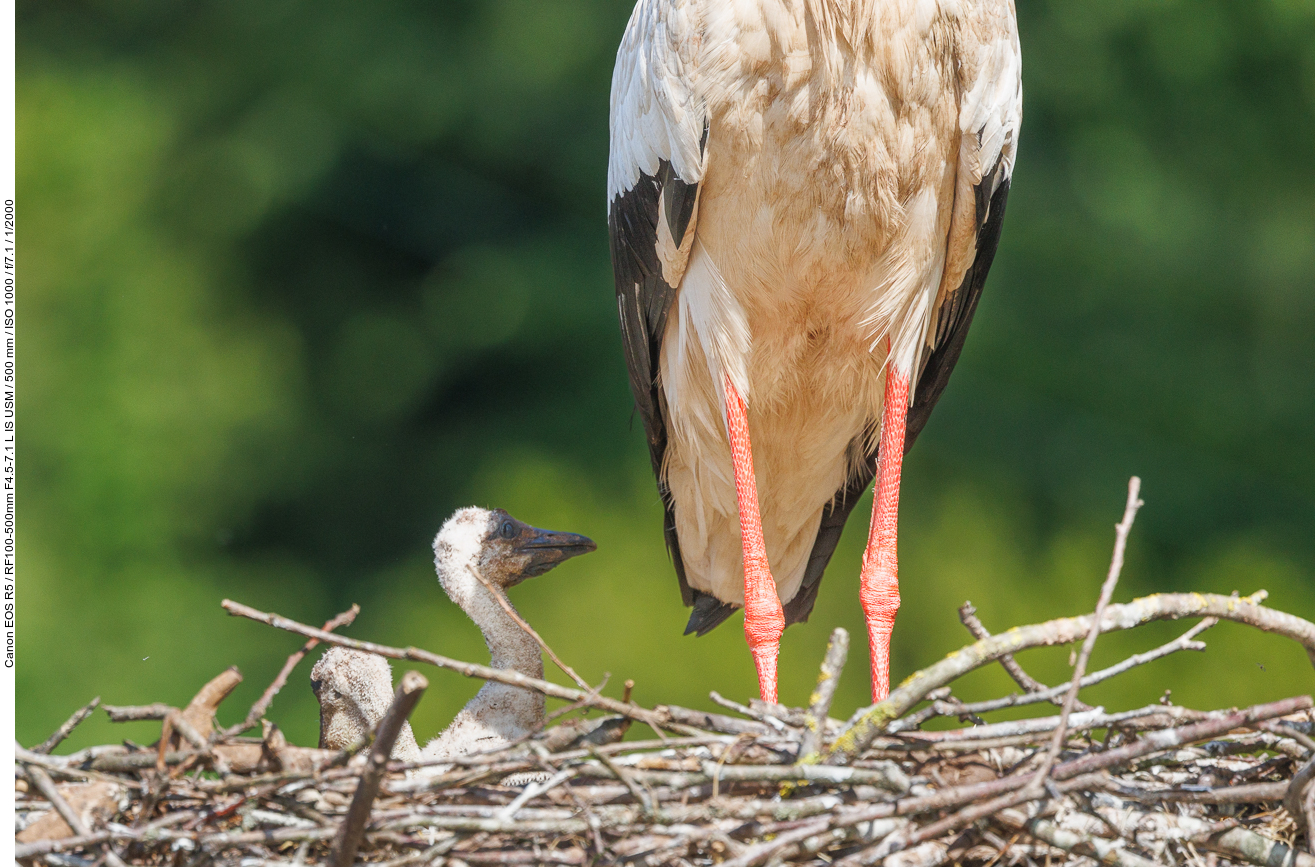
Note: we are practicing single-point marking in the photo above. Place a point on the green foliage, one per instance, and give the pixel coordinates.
(301, 278)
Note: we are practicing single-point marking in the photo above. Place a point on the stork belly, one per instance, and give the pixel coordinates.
(814, 398)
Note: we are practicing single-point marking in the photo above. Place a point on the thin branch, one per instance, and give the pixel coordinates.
(267, 697)
(1080, 773)
(716, 722)
(180, 724)
(41, 780)
(1066, 630)
(511, 611)
(469, 669)
(1293, 797)
(1253, 793)
(751, 713)
(409, 690)
(968, 616)
(67, 728)
(819, 703)
(1122, 529)
(1094, 718)
(1167, 739)
(1275, 727)
(136, 713)
(1091, 845)
(200, 711)
(1186, 641)
(636, 791)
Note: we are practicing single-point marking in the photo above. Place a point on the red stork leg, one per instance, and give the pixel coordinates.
(879, 584)
(764, 621)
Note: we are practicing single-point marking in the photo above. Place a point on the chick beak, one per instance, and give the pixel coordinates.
(544, 549)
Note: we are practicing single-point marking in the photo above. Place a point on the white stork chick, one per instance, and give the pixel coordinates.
(355, 688)
(804, 199)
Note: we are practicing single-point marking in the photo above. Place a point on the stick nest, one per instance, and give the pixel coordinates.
(757, 784)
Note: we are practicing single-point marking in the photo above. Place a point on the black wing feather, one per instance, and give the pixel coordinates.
(643, 301)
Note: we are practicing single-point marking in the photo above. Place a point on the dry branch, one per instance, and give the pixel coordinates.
(67, 728)
(1032, 686)
(819, 703)
(267, 697)
(1067, 630)
(1122, 529)
(469, 669)
(412, 686)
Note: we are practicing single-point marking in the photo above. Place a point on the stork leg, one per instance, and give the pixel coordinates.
(764, 621)
(879, 583)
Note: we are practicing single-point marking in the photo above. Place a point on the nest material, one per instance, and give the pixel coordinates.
(761, 785)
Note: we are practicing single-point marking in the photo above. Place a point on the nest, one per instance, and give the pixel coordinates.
(758, 784)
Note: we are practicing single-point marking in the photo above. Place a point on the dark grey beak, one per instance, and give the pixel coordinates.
(546, 548)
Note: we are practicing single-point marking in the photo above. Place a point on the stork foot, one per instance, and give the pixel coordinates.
(764, 621)
(879, 594)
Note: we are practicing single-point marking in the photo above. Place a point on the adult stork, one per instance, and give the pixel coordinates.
(804, 199)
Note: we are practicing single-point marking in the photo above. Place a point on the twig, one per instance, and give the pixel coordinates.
(716, 722)
(426, 856)
(1078, 773)
(1253, 793)
(758, 854)
(1238, 844)
(1275, 727)
(1158, 741)
(1122, 529)
(968, 616)
(594, 692)
(1066, 630)
(1242, 844)
(69, 725)
(136, 713)
(51, 765)
(200, 711)
(267, 697)
(469, 669)
(930, 854)
(511, 611)
(409, 690)
(534, 790)
(180, 724)
(636, 791)
(886, 775)
(1094, 718)
(1183, 642)
(819, 703)
(45, 847)
(1090, 845)
(43, 784)
(1294, 796)
(41, 780)
(751, 713)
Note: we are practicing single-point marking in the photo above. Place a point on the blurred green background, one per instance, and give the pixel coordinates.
(299, 279)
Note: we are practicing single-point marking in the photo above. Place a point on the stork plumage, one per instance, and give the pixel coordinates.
(804, 199)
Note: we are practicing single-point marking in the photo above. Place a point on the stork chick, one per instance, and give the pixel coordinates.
(355, 688)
